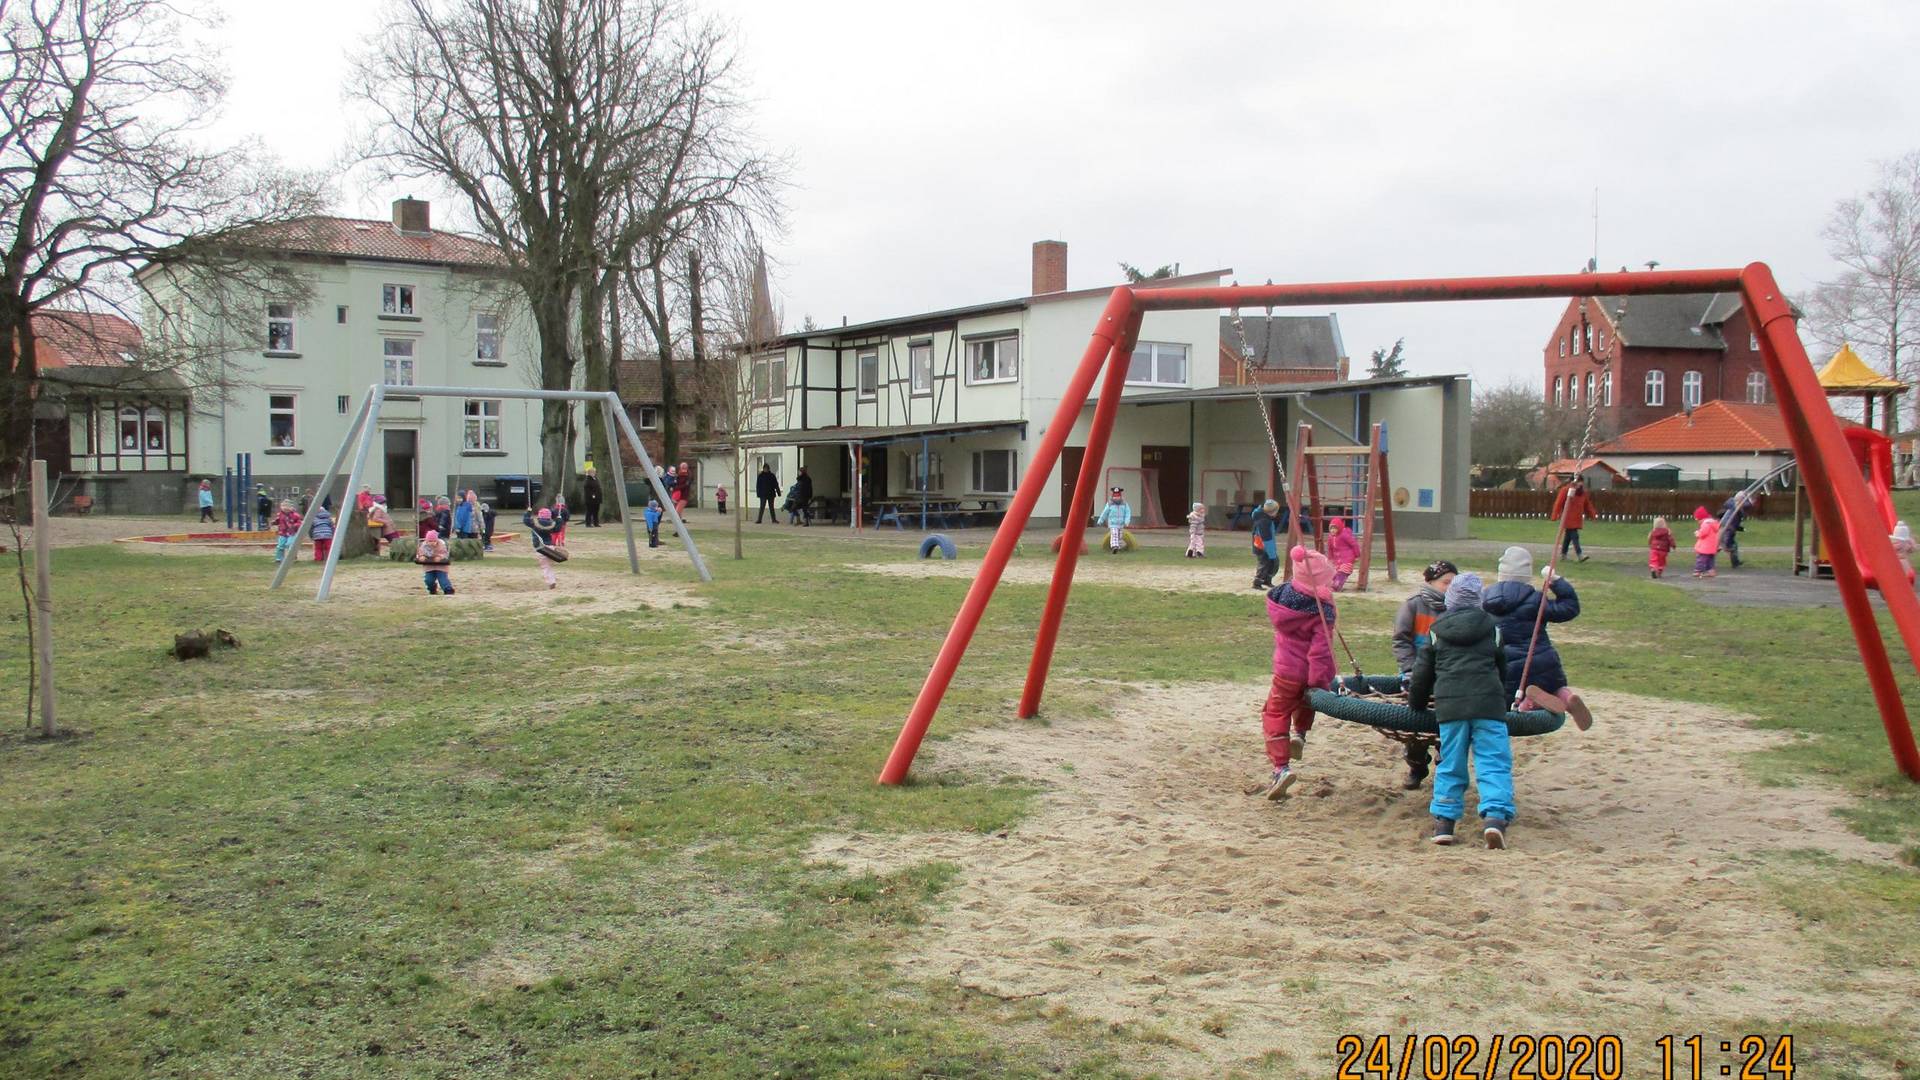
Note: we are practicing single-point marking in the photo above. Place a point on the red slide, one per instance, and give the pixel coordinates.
(1873, 452)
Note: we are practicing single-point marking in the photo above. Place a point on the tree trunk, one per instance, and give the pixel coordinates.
(616, 348)
(16, 390)
(696, 320)
(353, 536)
(669, 392)
(556, 373)
(599, 376)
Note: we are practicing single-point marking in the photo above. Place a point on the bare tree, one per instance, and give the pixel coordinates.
(1874, 303)
(744, 321)
(104, 171)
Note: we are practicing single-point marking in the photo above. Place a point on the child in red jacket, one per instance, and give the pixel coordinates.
(1343, 551)
(1659, 545)
(1302, 614)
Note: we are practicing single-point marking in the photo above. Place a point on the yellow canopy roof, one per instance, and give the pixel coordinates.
(1847, 373)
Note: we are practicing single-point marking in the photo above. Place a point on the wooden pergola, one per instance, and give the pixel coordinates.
(1846, 375)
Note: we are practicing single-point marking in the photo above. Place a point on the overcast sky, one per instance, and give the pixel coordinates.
(932, 144)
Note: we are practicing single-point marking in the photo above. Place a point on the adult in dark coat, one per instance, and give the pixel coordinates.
(805, 497)
(766, 488)
(590, 500)
(1733, 518)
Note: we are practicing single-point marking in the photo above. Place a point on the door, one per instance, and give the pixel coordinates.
(1170, 465)
(399, 445)
(1070, 459)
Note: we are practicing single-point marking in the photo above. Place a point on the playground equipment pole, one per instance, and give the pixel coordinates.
(344, 517)
(363, 417)
(226, 492)
(1843, 497)
(1113, 319)
(1074, 520)
(43, 595)
(619, 481)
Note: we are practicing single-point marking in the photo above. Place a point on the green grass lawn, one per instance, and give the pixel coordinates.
(1776, 531)
(407, 838)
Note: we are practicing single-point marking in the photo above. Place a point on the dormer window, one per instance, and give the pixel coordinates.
(396, 299)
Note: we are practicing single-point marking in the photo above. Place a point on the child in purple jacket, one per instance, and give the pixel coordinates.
(1302, 614)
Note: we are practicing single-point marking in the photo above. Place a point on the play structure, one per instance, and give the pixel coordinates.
(1872, 456)
(1835, 487)
(1352, 480)
(366, 422)
(1377, 702)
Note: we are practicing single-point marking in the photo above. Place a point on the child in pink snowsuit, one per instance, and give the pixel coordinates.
(1197, 532)
(1343, 550)
(1706, 542)
(1302, 614)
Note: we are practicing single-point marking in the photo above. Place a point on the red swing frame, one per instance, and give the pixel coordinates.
(1838, 494)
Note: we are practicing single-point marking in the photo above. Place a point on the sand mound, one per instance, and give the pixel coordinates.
(1150, 890)
(507, 580)
(1098, 568)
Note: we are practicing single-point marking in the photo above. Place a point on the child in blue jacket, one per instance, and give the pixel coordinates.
(1516, 603)
(653, 516)
(1116, 515)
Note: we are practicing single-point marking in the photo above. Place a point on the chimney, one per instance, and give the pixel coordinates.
(1049, 266)
(410, 216)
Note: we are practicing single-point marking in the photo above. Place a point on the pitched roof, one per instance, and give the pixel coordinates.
(1681, 321)
(1846, 371)
(638, 377)
(361, 238)
(1718, 427)
(1285, 341)
(83, 339)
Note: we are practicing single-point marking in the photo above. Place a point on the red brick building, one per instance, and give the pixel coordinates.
(1648, 357)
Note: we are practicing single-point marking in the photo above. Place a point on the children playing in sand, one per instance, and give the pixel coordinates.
(1458, 672)
(1659, 546)
(1343, 550)
(1706, 542)
(1517, 605)
(1197, 532)
(1116, 515)
(1302, 614)
(434, 559)
(1412, 629)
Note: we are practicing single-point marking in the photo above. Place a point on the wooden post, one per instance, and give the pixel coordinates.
(43, 597)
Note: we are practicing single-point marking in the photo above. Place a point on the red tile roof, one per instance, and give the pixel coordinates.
(374, 239)
(83, 339)
(1717, 427)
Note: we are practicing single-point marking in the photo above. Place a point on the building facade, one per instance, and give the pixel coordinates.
(394, 302)
(1647, 357)
(949, 405)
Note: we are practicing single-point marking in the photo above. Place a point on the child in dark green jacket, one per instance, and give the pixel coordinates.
(1459, 672)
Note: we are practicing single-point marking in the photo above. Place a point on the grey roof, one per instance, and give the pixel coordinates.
(870, 433)
(1286, 390)
(1682, 321)
(1297, 341)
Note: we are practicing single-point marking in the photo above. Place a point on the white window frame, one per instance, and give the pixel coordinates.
(1606, 390)
(1561, 338)
(291, 411)
(979, 472)
(865, 389)
(286, 319)
(1006, 368)
(1655, 392)
(1588, 331)
(649, 418)
(1573, 391)
(399, 299)
(483, 334)
(1753, 341)
(405, 361)
(920, 368)
(1693, 387)
(1156, 358)
(481, 416)
(1757, 381)
(1573, 335)
(1558, 388)
(1600, 336)
(936, 480)
(1588, 390)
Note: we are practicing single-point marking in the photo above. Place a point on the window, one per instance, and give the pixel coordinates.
(649, 417)
(399, 354)
(396, 299)
(280, 429)
(1753, 342)
(340, 314)
(1588, 330)
(1556, 391)
(1563, 346)
(1600, 338)
(1690, 385)
(1573, 335)
(341, 403)
(1589, 390)
(486, 338)
(993, 360)
(1656, 388)
(920, 367)
(994, 472)
(1158, 364)
(1757, 387)
(922, 470)
(1606, 390)
(482, 424)
(1573, 391)
(130, 430)
(869, 375)
(279, 327)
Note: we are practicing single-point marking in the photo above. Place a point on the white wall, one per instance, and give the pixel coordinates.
(1415, 418)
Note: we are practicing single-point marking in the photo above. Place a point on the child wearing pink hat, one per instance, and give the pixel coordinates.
(1302, 614)
(1343, 550)
(544, 527)
(1706, 542)
(434, 559)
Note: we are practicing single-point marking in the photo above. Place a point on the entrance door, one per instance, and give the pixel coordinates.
(399, 444)
(1070, 459)
(1170, 465)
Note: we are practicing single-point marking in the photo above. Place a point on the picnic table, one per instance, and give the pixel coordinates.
(945, 513)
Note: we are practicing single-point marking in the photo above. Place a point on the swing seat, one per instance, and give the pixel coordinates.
(1393, 717)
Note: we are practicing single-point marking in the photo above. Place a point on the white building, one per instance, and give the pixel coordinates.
(389, 301)
(948, 405)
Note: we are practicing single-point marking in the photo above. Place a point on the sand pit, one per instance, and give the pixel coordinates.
(1099, 569)
(1149, 890)
(505, 581)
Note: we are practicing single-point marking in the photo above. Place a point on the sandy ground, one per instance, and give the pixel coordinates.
(1098, 568)
(1149, 889)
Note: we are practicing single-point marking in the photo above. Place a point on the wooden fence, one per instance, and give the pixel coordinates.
(1624, 504)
